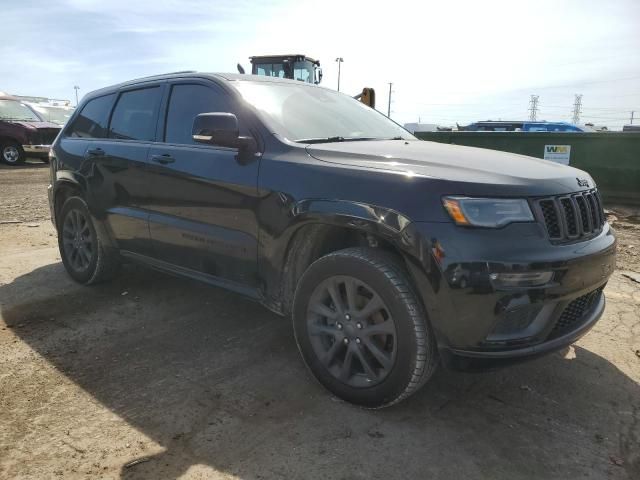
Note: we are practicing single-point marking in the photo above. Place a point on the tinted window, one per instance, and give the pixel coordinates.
(134, 117)
(185, 103)
(92, 120)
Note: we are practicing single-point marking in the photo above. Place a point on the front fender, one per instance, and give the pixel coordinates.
(309, 228)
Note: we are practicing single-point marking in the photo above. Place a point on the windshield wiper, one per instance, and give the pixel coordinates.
(320, 140)
(335, 139)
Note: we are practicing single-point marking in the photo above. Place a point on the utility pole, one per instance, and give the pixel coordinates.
(577, 109)
(389, 105)
(339, 60)
(76, 88)
(632, 115)
(533, 107)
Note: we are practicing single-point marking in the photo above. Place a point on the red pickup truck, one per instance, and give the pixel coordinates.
(23, 133)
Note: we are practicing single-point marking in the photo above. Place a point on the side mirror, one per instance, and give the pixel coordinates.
(220, 129)
(318, 75)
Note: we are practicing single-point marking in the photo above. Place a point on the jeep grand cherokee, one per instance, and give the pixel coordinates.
(389, 253)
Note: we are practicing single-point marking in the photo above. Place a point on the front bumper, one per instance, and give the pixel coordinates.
(36, 150)
(479, 324)
(469, 360)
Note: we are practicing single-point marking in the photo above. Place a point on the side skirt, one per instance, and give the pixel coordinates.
(166, 267)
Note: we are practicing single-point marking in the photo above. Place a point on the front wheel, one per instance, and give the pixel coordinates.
(12, 153)
(361, 329)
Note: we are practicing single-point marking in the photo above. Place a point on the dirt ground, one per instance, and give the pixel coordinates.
(158, 377)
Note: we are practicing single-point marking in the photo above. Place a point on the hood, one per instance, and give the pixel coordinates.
(37, 125)
(475, 167)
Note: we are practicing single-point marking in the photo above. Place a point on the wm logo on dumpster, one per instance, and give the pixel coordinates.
(557, 148)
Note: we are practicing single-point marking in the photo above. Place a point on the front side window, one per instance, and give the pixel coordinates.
(134, 117)
(187, 101)
(92, 120)
(12, 110)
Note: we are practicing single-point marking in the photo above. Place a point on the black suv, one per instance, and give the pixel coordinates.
(389, 253)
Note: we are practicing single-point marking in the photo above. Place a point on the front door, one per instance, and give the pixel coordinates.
(201, 198)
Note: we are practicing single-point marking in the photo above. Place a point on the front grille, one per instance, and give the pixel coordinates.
(575, 313)
(570, 218)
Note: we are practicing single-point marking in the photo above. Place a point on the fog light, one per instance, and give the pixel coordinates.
(526, 279)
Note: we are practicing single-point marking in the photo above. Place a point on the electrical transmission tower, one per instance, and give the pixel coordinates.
(533, 107)
(577, 109)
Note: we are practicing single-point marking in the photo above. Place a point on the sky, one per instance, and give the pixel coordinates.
(449, 61)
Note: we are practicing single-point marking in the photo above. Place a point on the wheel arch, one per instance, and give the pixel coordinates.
(324, 226)
(64, 189)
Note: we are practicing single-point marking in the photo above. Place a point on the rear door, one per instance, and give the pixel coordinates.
(202, 198)
(118, 175)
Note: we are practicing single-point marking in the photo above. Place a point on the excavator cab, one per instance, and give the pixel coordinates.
(294, 67)
(298, 67)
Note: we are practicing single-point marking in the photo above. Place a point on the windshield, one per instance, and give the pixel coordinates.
(269, 70)
(302, 112)
(57, 115)
(14, 110)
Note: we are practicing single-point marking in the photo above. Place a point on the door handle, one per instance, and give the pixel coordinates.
(95, 152)
(163, 159)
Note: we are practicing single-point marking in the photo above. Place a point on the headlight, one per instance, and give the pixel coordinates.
(487, 212)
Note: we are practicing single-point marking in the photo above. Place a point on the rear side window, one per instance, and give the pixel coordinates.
(92, 120)
(134, 117)
(187, 101)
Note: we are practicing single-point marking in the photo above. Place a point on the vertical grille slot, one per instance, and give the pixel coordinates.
(551, 219)
(585, 214)
(603, 218)
(569, 216)
(595, 211)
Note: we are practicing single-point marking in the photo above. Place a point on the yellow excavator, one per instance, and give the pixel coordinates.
(298, 67)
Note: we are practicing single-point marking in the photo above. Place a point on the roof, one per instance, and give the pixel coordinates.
(259, 57)
(195, 74)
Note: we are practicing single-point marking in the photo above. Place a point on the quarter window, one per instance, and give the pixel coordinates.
(92, 120)
(185, 103)
(135, 115)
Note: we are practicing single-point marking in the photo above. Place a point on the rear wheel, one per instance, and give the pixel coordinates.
(12, 153)
(361, 329)
(84, 253)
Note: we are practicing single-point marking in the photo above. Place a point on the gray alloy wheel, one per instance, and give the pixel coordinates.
(352, 331)
(77, 240)
(83, 248)
(361, 329)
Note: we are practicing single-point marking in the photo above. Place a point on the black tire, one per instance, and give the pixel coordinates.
(408, 344)
(12, 153)
(93, 261)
